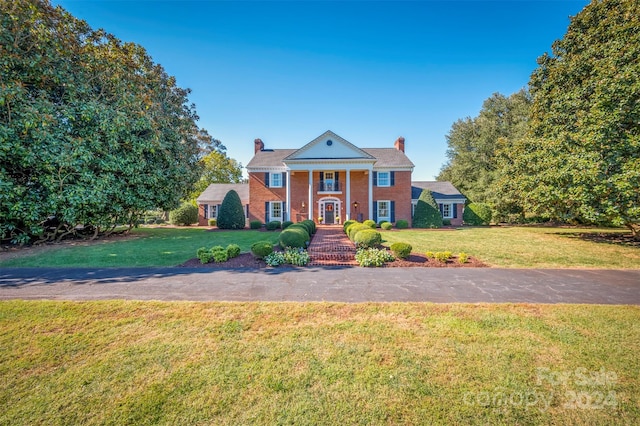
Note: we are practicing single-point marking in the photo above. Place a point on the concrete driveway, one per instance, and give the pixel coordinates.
(339, 284)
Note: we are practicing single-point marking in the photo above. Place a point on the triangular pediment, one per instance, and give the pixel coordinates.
(328, 146)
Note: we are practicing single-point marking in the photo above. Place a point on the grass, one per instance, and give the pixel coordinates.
(145, 247)
(124, 362)
(523, 247)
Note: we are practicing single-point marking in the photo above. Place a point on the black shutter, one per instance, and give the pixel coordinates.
(375, 211)
(454, 206)
(375, 178)
(205, 210)
(284, 179)
(321, 181)
(284, 211)
(336, 187)
(246, 210)
(441, 210)
(393, 211)
(218, 210)
(392, 178)
(266, 212)
(266, 180)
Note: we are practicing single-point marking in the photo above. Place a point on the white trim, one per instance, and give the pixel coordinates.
(370, 195)
(288, 195)
(387, 217)
(271, 217)
(322, 203)
(347, 210)
(271, 180)
(388, 179)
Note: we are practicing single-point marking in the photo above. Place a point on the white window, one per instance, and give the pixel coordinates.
(447, 211)
(414, 203)
(383, 211)
(384, 179)
(329, 181)
(275, 212)
(213, 211)
(275, 180)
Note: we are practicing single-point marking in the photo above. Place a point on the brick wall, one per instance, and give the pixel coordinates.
(400, 192)
(299, 194)
(259, 194)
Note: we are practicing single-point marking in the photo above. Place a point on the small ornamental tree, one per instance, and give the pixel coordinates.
(231, 214)
(184, 215)
(427, 214)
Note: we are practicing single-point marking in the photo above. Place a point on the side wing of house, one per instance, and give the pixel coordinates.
(210, 200)
(450, 201)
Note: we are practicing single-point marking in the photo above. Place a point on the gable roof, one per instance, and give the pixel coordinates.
(442, 190)
(217, 191)
(381, 157)
(315, 151)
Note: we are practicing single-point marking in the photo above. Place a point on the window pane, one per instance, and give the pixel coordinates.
(383, 209)
(383, 178)
(276, 209)
(276, 180)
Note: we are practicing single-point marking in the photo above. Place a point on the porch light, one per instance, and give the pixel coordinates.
(355, 205)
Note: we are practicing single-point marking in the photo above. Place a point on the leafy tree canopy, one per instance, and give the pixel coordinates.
(216, 168)
(92, 131)
(475, 145)
(581, 160)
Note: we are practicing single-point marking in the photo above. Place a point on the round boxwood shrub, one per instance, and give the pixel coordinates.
(402, 224)
(477, 214)
(212, 222)
(185, 215)
(220, 254)
(286, 224)
(386, 225)
(305, 225)
(255, 224)
(367, 238)
(401, 250)
(348, 224)
(273, 225)
(370, 223)
(233, 250)
(262, 249)
(355, 228)
(427, 213)
(231, 214)
(294, 237)
(311, 224)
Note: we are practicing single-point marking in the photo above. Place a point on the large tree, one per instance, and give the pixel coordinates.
(475, 144)
(581, 160)
(92, 131)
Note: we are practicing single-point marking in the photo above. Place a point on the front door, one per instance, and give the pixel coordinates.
(329, 213)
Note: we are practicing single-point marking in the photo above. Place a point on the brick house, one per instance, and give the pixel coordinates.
(332, 179)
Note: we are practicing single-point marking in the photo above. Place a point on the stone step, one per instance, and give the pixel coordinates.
(332, 256)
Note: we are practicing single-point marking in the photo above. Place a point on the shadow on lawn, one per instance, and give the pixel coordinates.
(18, 277)
(614, 238)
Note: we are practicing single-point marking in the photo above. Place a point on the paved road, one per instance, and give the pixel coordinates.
(326, 284)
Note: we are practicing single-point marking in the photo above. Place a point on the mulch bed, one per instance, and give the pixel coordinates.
(247, 261)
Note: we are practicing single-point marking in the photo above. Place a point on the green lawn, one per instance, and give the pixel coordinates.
(145, 247)
(123, 362)
(523, 247)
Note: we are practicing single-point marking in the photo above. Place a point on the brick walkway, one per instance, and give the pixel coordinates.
(330, 246)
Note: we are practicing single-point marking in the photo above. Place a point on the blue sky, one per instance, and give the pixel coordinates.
(286, 72)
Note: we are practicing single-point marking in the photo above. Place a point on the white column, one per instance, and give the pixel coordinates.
(310, 203)
(370, 193)
(347, 209)
(288, 211)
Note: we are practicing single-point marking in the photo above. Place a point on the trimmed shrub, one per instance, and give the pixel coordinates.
(204, 255)
(185, 215)
(367, 238)
(306, 225)
(273, 225)
(373, 257)
(402, 224)
(212, 222)
(286, 224)
(429, 255)
(355, 228)
(477, 214)
(255, 224)
(262, 249)
(463, 258)
(233, 250)
(312, 226)
(442, 256)
(401, 250)
(294, 237)
(370, 223)
(386, 225)
(446, 222)
(427, 213)
(231, 214)
(348, 224)
(219, 254)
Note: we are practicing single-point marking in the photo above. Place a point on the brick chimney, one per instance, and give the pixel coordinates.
(399, 145)
(258, 145)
